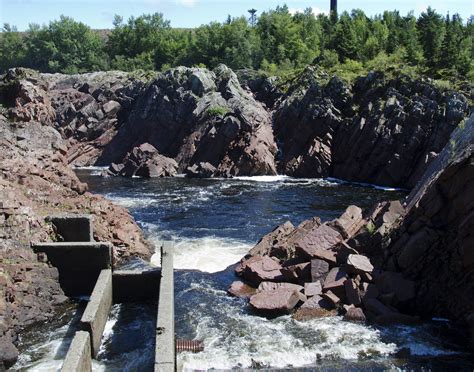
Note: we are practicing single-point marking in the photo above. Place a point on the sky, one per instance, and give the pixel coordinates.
(99, 14)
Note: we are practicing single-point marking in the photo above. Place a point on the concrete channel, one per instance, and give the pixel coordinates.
(86, 268)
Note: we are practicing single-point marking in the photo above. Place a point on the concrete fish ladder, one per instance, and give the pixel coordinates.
(82, 262)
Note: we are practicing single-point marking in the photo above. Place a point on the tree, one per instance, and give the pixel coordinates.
(345, 38)
(142, 36)
(431, 30)
(12, 48)
(253, 17)
(64, 46)
(413, 51)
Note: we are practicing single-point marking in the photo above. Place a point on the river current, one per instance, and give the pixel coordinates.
(214, 222)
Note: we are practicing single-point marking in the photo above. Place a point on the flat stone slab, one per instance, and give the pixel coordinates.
(260, 269)
(358, 263)
(241, 290)
(313, 289)
(322, 238)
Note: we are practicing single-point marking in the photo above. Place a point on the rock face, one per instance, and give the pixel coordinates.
(35, 181)
(197, 117)
(86, 109)
(378, 131)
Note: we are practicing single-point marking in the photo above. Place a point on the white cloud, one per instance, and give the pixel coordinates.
(315, 9)
(188, 3)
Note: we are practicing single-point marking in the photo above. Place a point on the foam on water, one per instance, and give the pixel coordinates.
(248, 340)
(208, 254)
(364, 184)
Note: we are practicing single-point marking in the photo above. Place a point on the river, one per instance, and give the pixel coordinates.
(213, 223)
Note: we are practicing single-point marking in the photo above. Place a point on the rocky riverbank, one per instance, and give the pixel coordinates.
(396, 263)
(36, 181)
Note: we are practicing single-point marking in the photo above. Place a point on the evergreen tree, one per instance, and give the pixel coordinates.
(345, 38)
(431, 31)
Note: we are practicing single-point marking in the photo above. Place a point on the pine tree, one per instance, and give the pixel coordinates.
(431, 30)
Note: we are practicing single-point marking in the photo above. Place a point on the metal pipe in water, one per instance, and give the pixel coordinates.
(193, 346)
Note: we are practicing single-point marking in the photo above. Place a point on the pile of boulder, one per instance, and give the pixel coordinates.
(312, 271)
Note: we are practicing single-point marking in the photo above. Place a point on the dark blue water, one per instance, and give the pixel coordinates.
(213, 224)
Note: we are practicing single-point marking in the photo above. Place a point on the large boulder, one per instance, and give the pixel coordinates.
(145, 161)
(241, 290)
(259, 269)
(277, 301)
(318, 242)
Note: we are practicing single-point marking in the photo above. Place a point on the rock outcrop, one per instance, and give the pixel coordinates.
(145, 161)
(379, 130)
(196, 117)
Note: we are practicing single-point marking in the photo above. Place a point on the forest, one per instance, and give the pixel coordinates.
(276, 41)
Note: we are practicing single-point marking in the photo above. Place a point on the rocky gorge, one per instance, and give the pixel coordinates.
(394, 263)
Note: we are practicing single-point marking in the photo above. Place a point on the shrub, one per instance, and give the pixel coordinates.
(217, 111)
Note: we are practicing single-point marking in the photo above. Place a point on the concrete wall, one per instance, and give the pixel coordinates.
(79, 263)
(97, 311)
(136, 286)
(165, 357)
(74, 228)
(78, 357)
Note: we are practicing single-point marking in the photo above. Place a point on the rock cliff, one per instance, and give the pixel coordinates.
(379, 130)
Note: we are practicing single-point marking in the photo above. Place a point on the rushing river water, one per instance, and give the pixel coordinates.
(213, 224)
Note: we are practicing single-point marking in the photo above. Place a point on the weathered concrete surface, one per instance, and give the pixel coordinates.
(95, 316)
(135, 286)
(74, 228)
(165, 341)
(78, 358)
(79, 263)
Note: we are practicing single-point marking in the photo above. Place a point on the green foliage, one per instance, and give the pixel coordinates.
(217, 111)
(277, 42)
(12, 47)
(371, 228)
(329, 59)
(64, 46)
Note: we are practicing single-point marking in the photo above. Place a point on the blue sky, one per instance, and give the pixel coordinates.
(192, 13)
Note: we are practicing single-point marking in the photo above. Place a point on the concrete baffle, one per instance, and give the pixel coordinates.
(74, 227)
(165, 351)
(79, 263)
(136, 286)
(78, 357)
(97, 311)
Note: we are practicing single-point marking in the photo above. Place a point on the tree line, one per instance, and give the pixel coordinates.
(275, 41)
